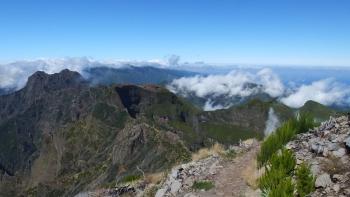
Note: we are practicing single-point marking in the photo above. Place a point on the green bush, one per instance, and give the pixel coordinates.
(275, 142)
(280, 166)
(283, 135)
(130, 178)
(285, 188)
(270, 179)
(305, 181)
(206, 185)
(304, 122)
(284, 160)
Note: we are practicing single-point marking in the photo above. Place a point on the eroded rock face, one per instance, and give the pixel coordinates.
(325, 149)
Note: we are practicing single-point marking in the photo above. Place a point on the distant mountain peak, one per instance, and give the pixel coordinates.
(64, 79)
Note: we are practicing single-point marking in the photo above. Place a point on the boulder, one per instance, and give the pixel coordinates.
(340, 152)
(160, 192)
(323, 180)
(332, 146)
(317, 148)
(175, 187)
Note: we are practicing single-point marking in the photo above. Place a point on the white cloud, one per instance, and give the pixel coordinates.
(271, 83)
(209, 106)
(327, 92)
(235, 83)
(15, 75)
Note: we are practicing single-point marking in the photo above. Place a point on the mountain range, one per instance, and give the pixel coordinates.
(64, 133)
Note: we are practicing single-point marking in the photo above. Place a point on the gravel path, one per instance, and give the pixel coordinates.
(230, 181)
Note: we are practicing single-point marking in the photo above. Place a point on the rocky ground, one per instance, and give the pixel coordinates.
(326, 150)
(226, 175)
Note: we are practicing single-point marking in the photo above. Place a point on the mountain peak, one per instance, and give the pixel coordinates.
(64, 79)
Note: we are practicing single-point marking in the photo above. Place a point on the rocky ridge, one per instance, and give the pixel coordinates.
(326, 149)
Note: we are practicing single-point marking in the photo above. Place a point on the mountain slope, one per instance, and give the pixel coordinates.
(59, 135)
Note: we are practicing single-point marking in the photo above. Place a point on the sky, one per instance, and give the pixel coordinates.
(280, 32)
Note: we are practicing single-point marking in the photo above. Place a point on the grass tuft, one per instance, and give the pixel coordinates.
(203, 185)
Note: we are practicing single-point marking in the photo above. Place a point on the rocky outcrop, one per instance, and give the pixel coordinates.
(325, 150)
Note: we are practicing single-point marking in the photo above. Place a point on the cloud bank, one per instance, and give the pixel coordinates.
(328, 92)
(14, 75)
(237, 83)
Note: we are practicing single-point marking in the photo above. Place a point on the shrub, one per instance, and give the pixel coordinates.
(280, 166)
(283, 135)
(285, 161)
(285, 188)
(130, 178)
(271, 178)
(304, 122)
(276, 141)
(305, 182)
(206, 185)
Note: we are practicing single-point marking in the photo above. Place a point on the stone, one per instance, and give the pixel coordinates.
(190, 195)
(340, 152)
(299, 161)
(175, 187)
(174, 173)
(336, 188)
(317, 148)
(160, 192)
(188, 182)
(338, 177)
(332, 146)
(323, 180)
(325, 152)
(315, 169)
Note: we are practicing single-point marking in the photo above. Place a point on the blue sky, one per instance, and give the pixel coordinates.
(295, 32)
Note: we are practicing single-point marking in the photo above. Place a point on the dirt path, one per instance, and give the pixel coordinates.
(231, 179)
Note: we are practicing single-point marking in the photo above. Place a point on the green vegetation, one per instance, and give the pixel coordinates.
(283, 135)
(205, 185)
(109, 115)
(130, 178)
(280, 163)
(283, 160)
(230, 154)
(318, 110)
(285, 188)
(280, 167)
(226, 133)
(305, 181)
